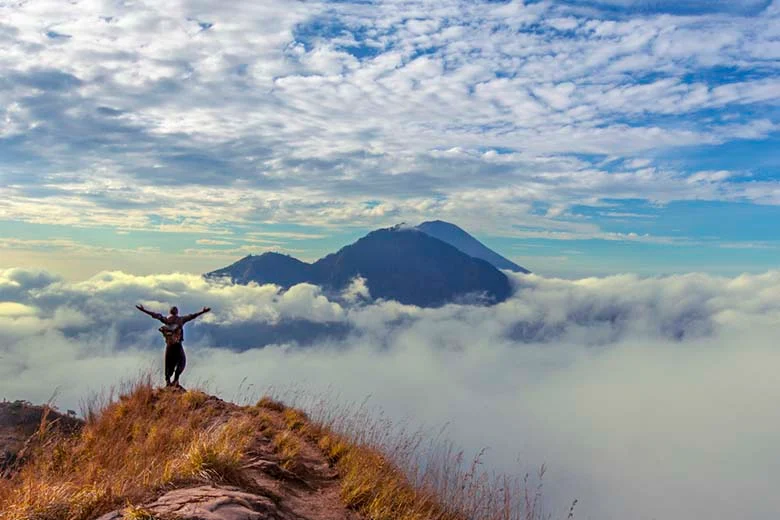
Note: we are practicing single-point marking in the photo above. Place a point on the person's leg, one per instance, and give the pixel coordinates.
(181, 362)
(170, 363)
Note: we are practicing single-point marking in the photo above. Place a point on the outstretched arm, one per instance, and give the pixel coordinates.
(155, 315)
(190, 317)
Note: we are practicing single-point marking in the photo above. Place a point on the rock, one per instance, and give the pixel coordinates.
(113, 515)
(210, 503)
(274, 470)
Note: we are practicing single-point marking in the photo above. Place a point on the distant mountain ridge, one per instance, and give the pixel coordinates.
(405, 264)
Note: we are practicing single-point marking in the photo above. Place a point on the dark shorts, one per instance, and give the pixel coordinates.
(175, 361)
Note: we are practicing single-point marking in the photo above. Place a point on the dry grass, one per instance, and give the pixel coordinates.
(6, 488)
(373, 484)
(217, 454)
(138, 513)
(288, 446)
(129, 449)
(271, 404)
(391, 473)
(149, 440)
(295, 420)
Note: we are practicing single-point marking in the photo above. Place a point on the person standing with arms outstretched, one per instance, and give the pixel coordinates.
(173, 331)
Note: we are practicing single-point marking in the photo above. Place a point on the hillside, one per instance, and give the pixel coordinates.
(19, 422)
(401, 264)
(163, 454)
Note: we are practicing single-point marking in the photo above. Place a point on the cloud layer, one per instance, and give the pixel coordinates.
(648, 398)
(192, 117)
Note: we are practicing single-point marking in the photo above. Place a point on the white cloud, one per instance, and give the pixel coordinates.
(212, 242)
(357, 291)
(624, 386)
(15, 310)
(349, 102)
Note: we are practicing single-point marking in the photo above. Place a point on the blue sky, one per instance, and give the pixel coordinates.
(577, 138)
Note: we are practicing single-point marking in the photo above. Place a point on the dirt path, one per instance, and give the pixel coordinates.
(310, 488)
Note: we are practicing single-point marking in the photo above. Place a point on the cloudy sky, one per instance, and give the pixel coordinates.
(626, 151)
(576, 137)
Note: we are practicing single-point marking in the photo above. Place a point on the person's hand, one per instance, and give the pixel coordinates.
(206, 309)
(140, 308)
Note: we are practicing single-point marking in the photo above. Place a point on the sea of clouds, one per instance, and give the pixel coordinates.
(644, 397)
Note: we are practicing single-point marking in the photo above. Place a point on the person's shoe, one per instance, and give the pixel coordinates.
(168, 383)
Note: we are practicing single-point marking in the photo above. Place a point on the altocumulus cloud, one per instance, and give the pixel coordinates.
(646, 398)
(300, 112)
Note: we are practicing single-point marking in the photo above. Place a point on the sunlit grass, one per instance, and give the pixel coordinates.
(134, 447)
(391, 473)
(129, 449)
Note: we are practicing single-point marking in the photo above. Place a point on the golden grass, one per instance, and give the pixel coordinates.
(6, 488)
(217, 453)
(129, 449)
(138, 513)
(376, 487)
(148, 440)
(288, 446)
(271, 404)
(294, 420)
(389, 473)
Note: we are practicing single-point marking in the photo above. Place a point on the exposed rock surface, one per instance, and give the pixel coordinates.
(210, 503)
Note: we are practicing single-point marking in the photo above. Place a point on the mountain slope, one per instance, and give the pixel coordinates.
(167, 453)
(411, 267)
(19, 422)
(457, 237)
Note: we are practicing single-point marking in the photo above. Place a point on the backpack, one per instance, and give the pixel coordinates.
(172, 334)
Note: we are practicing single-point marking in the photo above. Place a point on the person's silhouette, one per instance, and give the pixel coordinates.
(173, 330)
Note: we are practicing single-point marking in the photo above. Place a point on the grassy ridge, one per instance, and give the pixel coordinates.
(390, 473)
(129, 450)
(149, 440)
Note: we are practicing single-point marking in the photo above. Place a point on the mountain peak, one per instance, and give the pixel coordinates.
(462, 240)
(269, 267)
(411, 267)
